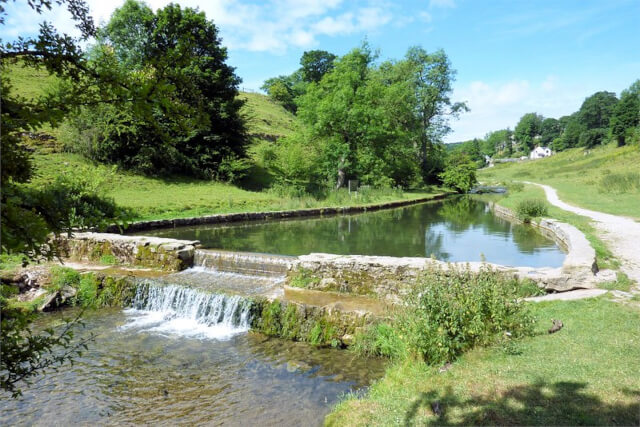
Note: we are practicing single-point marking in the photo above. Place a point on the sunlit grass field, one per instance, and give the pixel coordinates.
(605, 179)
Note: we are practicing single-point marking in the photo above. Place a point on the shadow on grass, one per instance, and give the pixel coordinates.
(561, 403)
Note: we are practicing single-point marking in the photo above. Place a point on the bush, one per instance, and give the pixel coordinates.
(448, 313)
(531, 208)
(460, 173)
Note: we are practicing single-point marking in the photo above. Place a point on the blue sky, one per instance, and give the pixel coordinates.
(512, 57)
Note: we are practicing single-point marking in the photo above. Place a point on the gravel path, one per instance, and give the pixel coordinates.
(621, 234)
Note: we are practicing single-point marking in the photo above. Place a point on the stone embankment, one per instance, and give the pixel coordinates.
(257, 216)
(142, 251)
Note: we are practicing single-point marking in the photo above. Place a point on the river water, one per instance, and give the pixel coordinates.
(181, 356)
(458, 229)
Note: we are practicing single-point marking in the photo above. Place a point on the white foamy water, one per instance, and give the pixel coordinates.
(173, 309)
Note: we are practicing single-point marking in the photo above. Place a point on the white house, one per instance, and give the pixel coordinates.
(540, 152)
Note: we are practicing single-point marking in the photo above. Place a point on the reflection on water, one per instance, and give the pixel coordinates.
(457, 230)
(134, 375)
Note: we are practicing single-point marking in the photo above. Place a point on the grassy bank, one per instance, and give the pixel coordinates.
(605, 179)
(584, 374)
(162, 198)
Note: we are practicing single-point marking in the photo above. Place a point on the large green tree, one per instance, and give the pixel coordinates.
(191, 123)
(528, 131)
(596, 110)
(315, 64)
(431, 77)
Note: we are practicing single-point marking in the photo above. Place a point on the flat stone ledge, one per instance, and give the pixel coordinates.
(155, 252)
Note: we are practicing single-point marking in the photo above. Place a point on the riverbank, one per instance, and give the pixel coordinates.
(583, 374)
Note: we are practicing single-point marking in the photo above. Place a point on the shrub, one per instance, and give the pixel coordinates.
(449, 312)
(460, 173)
(531, 208)
(64, 276)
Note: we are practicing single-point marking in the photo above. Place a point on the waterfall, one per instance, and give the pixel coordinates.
(174, 309)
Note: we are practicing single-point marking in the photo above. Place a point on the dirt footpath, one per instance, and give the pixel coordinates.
(621, 234)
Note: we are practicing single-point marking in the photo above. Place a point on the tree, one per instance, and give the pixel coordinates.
(191, 123)
(528, 130)
(626, 114)
(315, 64)
(549, 130)
(30, 215)
(286, 89)
(597, 109)
(432, 78)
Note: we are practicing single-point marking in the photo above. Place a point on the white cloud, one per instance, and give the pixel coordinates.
(271, 26)
(496, 106)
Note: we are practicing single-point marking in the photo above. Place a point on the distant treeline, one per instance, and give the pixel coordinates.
(602, 118)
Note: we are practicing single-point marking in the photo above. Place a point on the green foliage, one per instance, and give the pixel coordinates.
(528, 130)
(64, 276)
(460, 173)
(531, 208)
(596, 110)
(26, 354)
(324, 333)
(303, 278)
(592, 137)
(108, 259)
(270, 319)
(88, 291)
(315, 64)
(450, 312)
(364, 121)
(182, 110)
(625, 117)
(380, 339)
(620, 182)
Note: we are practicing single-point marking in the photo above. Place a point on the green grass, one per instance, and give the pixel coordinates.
(265, 117)
(587, 373)
(603, 179)
(162, 198)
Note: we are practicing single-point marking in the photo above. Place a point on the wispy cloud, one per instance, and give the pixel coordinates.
(271, 26)
(496, 106)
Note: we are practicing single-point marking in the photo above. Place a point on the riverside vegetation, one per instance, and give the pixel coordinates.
(167, 122)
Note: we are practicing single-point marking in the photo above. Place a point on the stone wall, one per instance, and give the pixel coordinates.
(142, 251)
(389, 277)
(255, 216)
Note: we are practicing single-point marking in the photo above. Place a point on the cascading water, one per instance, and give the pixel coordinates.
(174, 309)
(209, 299)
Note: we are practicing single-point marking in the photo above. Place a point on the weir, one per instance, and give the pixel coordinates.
(212, 299)
(188, 311)
(248, 263)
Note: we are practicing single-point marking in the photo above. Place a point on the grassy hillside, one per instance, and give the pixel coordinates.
(265, 118)
(174, 197)
(605, 179)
